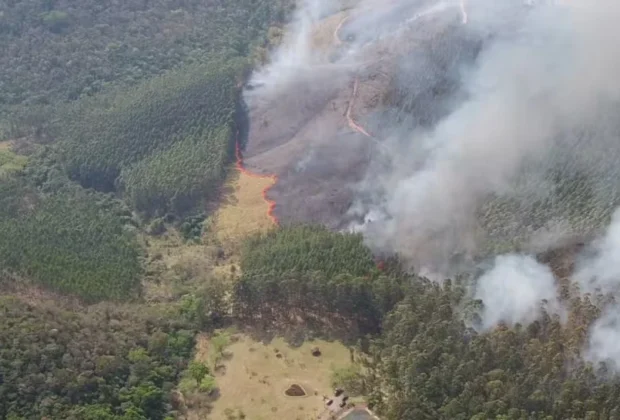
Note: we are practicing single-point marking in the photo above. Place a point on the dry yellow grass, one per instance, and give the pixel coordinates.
(244, 211)
(5, 145)
(255, 379)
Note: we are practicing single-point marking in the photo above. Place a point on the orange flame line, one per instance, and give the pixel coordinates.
(352, 124)
(271, 204)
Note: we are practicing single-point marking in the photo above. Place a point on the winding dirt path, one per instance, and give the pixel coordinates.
(350, 121)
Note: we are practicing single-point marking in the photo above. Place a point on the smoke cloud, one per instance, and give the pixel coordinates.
(532, 142)
(491, 134)
(598, 270)
(515, 290)
(604, 340)
(494, 131)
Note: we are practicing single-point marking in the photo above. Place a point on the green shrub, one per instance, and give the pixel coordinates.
(208, 384)
(350, 379)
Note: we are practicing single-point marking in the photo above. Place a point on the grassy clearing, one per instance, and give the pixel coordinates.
(243, 210)
(254, 378)
(175, 266)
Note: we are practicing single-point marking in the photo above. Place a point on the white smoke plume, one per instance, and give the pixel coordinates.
(536, 100)
(599, 271)
(295, 61)
(604, 339)
(520, 155)
(515, 290)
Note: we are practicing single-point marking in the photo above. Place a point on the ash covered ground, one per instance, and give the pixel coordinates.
(405, 62)
(443, 130)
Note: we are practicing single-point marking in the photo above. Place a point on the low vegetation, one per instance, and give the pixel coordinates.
(10, 162)
(242, 211)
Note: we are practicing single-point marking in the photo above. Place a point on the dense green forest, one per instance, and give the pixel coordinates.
(106, 363)
(73, 241)
(60, 50)
(427, 364)
(111, 114)
(135, 100)
(179, 178)
(316, 274)
(304, 249)
(104, 135)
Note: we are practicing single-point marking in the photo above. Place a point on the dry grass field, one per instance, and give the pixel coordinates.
(243, 210)
(256, 375)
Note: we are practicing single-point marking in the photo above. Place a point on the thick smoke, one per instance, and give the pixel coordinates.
(493, 136)
(515, 290)
(598, 271)
(537, 123)
(604, 340)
